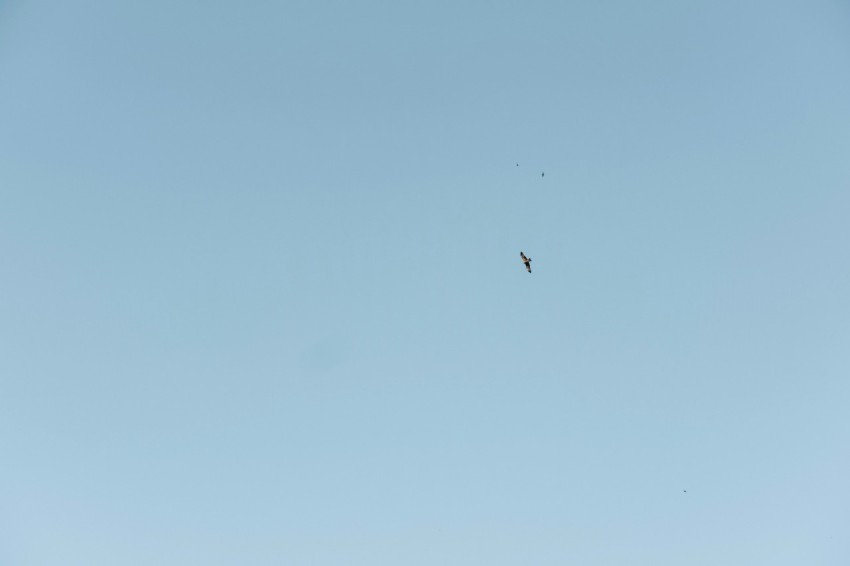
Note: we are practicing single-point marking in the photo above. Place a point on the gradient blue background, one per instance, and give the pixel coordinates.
(261, 300)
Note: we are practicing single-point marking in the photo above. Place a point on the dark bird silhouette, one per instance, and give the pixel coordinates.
(685, 491)
(543, 174)
(526, 261)
(517, 164)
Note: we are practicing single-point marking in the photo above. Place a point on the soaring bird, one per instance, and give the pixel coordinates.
(526, 261)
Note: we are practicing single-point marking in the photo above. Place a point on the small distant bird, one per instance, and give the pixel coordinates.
(685, 491)
(526, 261)
(543, 174)
(517, 164)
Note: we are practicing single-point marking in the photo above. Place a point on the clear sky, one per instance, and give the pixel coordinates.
(261, 299)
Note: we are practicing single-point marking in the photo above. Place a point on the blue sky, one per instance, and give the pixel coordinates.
(261, 299)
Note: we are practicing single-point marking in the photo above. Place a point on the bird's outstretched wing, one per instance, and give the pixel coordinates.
(526, 261)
